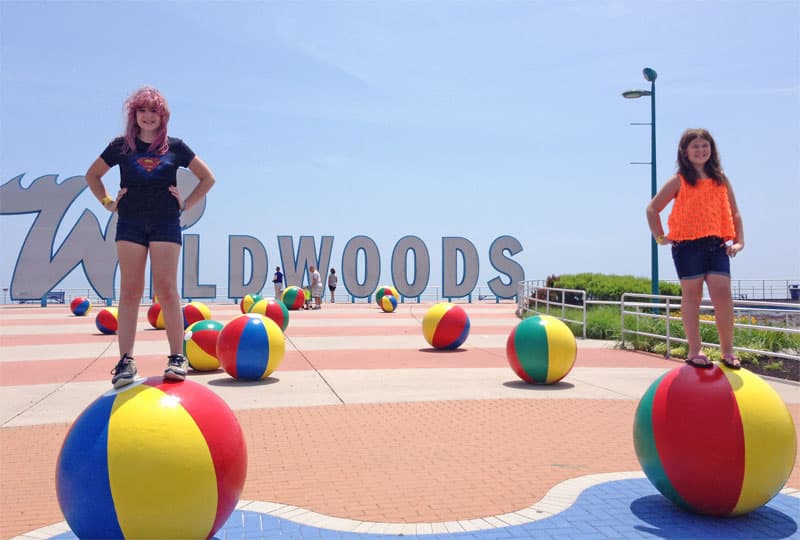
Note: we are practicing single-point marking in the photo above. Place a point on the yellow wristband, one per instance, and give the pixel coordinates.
(105, 200)
(660, 240)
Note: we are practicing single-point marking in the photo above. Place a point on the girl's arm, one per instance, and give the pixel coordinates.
(206, 177)
(738, 227)
(667, 192)
(94, 179)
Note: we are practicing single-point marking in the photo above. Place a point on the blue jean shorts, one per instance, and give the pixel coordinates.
(697, 258)
(145, 229)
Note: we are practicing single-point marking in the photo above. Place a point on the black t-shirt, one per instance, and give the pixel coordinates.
(147, 176)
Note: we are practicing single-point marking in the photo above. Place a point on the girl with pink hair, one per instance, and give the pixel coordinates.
(148, 207)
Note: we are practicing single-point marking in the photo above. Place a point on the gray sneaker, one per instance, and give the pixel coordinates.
(124, 373)
(176, 367)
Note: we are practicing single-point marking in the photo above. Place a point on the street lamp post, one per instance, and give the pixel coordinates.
(650, 76)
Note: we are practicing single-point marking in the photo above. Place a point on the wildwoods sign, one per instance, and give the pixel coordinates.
(41, 265)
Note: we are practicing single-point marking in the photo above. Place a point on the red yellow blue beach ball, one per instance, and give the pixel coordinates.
(106, 320)
(388, 303)
(247, 302)
(272, 309)
(155, 317)
(200, 345)
(445, 326)
(716, 441)
(541, 349)
(250, 347)
(153, 460)
(193, 312)
(293, 297)
(80, 306)
(384, 290)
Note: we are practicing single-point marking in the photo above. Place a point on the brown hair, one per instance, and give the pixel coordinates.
(712, 167)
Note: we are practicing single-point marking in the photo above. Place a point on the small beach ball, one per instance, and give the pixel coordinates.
(154, 459)
(155, 317)
(193, 312)
(247, 302)
(716, 441)
(293, 297)
(541, 349)
(445, 326)
(80, 306)
(272, 309)
(200, 345)
(106, 320)
(250, 347)
(384, 290)
(388, 303)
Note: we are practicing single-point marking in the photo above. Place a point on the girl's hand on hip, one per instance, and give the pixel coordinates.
(177, 195)
(733, 249)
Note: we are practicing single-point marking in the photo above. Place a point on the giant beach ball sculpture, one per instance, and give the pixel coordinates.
(714, 441)
(156, 317)
(193, 312)
(384, 290)
(80, 306)
(272, 309)
(388, 303)
(541, 350)
(445, 326)
(106, 320)
(154, 459)
(200, 345)
(293, 297)
(250, 347)
(247, 302)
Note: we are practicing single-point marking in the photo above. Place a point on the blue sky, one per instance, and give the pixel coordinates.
(429, 118)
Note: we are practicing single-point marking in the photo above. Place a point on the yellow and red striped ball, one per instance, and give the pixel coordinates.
(272, 309)
(293, 297)
(384, 290)
(247, 302)
(388, 303)
(80, 306)
(200, 345)
(445, 326)
(193, 312)
(153, 460)
(716, 441)
(106, 320)
(250, 347)
(541, 350)
(155, 317)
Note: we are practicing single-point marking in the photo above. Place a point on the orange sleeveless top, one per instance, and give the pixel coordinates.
(701, 210)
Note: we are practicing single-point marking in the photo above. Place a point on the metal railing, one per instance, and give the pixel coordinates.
(750, 313)
(549, 300)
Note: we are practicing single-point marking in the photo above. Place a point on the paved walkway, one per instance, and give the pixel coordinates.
(378, 434)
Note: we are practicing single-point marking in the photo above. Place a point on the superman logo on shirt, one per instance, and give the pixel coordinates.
(149, 164)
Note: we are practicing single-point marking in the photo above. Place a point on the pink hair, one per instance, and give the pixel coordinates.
(148, 98)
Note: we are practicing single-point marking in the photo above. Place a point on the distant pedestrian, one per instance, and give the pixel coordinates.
(277, 281)
(333, 280)
(705, 230)
(316, 286)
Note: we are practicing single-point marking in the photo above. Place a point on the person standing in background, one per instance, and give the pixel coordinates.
(333, 280)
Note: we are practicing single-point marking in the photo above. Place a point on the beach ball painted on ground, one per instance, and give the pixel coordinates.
(80, 306)
(106, 320)
(388, 303)
(293, 297)
(155, 317)
(541, 349)
(247, 302)
(200, 345)
(153, 460)
(445, 326)
(193, 312)
(714, 441)
(250, 347)
(272, 309)
(384, 290)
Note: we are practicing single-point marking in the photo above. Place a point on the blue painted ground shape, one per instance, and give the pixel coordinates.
(622, 509)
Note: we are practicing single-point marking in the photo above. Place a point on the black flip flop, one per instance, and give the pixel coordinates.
(693, 361)
(729, 362)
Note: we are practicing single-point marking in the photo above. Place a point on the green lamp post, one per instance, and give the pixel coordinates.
(650, 76)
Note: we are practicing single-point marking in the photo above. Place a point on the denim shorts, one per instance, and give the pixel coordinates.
(145, 229)
(697, 258)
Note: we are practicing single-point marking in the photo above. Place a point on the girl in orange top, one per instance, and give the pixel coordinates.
(705, 230)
